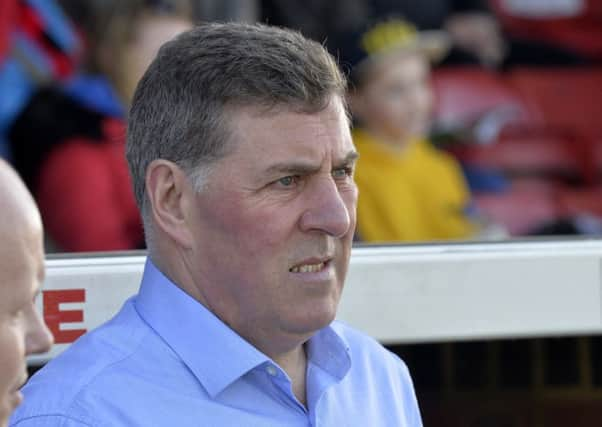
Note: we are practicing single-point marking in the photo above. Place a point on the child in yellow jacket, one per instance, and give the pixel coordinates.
(409, 190)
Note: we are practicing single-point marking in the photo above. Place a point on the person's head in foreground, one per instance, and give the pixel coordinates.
(390, 92)
(22, 330)
(242, 164)
(242, 160)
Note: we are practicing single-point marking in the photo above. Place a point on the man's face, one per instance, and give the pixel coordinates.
(396, 99)
(22, 330)
(274, 225)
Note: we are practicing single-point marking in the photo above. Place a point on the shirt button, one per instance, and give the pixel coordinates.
(272, 371)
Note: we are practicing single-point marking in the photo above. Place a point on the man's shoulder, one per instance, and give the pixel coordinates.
(61, 388)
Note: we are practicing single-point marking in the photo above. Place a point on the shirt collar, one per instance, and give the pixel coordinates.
(216, 354)
(329, 351)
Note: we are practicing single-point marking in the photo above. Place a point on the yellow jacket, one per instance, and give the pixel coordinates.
(414, 194)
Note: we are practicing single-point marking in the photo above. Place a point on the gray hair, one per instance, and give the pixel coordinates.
(180, 108)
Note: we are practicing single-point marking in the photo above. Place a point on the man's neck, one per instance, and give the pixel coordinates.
(294, 363)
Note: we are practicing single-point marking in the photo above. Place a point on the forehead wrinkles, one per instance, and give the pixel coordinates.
(264, 135)
(335, 104)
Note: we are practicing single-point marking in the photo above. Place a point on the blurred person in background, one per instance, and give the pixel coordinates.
(409, 190)
(69, 139)
(22, 329)
(38, 45)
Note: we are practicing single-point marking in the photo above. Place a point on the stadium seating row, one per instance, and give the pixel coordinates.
(540, 128)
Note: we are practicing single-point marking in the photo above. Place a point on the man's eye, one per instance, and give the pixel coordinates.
(287, 181)
(342, 173)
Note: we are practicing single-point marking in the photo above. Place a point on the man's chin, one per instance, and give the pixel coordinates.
(313, 321)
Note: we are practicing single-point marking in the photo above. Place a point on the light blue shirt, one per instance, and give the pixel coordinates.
(165, 360)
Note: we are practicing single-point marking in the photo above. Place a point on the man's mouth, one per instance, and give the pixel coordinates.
(308, 268)
(311, 265)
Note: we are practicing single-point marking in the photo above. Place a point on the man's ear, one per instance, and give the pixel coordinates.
(167, 187)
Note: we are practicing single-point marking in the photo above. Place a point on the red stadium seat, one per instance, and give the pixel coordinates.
(520, 209)
(596, 155)
(528, 155)
(580, 201)
(464, 93)
(567, 99)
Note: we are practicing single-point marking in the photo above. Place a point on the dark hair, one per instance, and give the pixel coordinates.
(180, 108)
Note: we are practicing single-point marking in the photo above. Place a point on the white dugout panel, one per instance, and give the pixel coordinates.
(397, 294)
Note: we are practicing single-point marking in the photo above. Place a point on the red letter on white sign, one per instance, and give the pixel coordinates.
(53, 316)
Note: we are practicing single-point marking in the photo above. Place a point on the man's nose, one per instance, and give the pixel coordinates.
(326, 209)
(39, 339)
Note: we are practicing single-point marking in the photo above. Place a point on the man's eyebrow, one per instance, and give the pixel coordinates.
(293, 168)
(307, 168)
(350, 158)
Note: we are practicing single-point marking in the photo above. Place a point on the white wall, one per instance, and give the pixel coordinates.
(412, 293)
